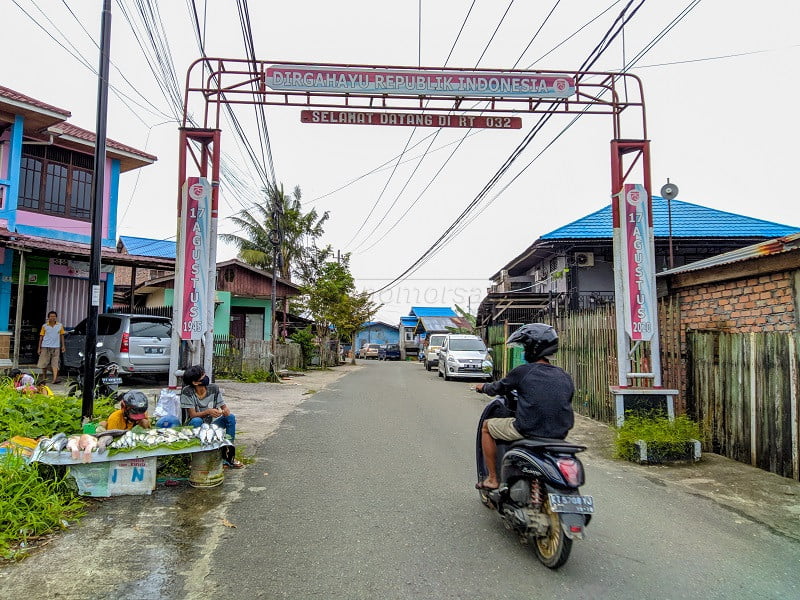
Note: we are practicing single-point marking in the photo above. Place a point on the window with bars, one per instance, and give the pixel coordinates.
(56, 181)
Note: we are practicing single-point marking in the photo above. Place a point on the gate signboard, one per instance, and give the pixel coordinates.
(342, 117)
(638, 263)
(419, 82)
(192, 289)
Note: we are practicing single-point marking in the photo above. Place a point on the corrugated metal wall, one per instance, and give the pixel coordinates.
(69, 297)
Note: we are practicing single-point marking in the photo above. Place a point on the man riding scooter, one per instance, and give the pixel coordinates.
(544, 397)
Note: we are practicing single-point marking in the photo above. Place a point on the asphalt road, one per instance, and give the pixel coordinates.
(367, 491)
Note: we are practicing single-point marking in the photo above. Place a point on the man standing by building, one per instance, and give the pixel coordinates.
(51, 345)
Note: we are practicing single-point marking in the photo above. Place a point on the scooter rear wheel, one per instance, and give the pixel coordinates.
(552, 549)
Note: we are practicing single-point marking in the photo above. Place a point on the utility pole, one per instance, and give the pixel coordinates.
(275, 238)
(98, 180)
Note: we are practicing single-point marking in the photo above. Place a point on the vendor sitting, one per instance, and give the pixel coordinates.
(204, 404)
(132, 411)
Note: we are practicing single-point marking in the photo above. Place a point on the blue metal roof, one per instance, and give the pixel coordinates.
(148, 247)
(409, 321)
(432, 311)
(369, 324)
(688, 220)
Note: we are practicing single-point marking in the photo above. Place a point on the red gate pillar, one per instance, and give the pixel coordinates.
(203, 147)
(636, 307)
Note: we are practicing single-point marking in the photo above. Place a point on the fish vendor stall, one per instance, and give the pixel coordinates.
(123, 462)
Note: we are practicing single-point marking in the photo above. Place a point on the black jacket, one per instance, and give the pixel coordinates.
(544, 403)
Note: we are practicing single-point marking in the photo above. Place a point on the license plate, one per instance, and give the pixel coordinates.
(112, 380)
(154, 350)
(564, 503)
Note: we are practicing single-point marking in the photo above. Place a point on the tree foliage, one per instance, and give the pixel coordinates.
(305, 338)
(334, 303)
(300, 231)
(467, 317)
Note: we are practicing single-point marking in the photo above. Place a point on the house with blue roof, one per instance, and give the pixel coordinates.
(571, 267)
(243, 307)
(377, 332)
(412, 336)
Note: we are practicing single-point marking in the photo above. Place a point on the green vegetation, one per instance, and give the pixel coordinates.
(35, 415)
(257, 376)
(305, 337)
(666, 440)
(334, 304)
(34, 501)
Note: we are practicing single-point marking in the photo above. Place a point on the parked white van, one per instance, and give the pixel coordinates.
(432, 351)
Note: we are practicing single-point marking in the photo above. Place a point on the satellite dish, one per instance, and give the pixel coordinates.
(669, 190)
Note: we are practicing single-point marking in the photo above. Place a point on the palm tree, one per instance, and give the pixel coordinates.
(300, 232)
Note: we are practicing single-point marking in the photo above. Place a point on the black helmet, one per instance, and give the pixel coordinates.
(538, 339)
(135, 402)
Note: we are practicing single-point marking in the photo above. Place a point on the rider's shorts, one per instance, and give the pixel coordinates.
(503, 429)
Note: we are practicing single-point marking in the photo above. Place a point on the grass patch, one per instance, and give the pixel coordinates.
(257, 376)
(35, 415)
(244, 458)
(666, 440)
(36, 500)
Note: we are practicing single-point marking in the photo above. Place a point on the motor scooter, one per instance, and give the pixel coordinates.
(106, 380)
(538, 496)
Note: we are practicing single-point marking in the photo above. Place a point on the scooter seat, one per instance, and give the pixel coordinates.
(549, 444)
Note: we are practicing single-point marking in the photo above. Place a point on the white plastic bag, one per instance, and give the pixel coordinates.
(168, 404)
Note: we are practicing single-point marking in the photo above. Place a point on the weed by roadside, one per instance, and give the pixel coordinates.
(35, 500)
(35, 415)
(665, 438)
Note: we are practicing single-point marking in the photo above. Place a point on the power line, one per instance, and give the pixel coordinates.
(496, 29)
(535, 35)
(594, 55)
(722, 57)
(77, 55)
(263, 131)
(121, 73)
(422, 158)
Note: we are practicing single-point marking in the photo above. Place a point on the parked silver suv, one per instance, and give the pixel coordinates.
(139, 344)
(464, 355)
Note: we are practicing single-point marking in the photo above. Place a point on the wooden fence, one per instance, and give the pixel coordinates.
(587, 352)
(240, 356)
(743, 389)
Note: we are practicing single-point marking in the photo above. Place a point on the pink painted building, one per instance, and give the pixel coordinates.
(46, 173)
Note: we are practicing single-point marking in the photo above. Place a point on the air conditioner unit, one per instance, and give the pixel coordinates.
(584, 259)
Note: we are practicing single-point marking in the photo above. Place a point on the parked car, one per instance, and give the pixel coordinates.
(139, 344)
(464, 356)
(372, 350)
(389, 352)
(432, 351)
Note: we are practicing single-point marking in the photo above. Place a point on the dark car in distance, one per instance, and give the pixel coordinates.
(389, 352)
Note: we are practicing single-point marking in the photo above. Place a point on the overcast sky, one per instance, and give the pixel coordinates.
(720, 90)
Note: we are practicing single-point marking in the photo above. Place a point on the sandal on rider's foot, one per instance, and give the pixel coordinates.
(482, 486)
(234, 464)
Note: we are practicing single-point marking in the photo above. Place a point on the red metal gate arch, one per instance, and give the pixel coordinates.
(214, 82)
